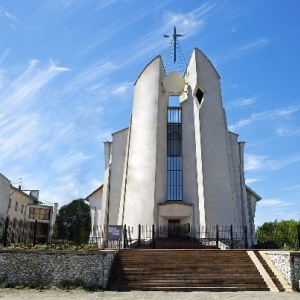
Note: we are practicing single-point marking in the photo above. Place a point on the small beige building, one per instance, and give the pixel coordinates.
(177, 166)
(23, 209)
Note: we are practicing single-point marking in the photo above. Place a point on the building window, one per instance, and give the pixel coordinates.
(22, 208)
(199, 96)
(39, 213)
(42, 230)
(14, 223)
(174, 155)
(16, 206)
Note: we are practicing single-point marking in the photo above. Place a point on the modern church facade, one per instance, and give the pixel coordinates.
(177, 164)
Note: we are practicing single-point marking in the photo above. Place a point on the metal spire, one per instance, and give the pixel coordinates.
(174, 36)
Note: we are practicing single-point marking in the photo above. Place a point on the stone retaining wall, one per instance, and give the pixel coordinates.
(91, 269)
(288, 263)
(35, 268)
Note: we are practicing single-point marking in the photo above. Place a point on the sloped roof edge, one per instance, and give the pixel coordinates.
(95, 191)
(253, 193)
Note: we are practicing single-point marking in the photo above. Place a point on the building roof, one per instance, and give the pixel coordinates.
(120, 130)
(4, 177)
(253, 193)
(23, 193)
(94, 192)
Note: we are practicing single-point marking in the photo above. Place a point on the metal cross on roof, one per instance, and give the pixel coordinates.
(174, 36)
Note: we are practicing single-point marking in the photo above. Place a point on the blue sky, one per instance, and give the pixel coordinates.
(67, 69)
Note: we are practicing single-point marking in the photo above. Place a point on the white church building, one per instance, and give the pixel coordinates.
(176, 165)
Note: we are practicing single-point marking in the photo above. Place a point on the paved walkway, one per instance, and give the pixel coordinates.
(80, 294)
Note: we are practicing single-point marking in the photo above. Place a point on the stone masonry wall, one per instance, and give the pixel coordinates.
(36, 268)
(288, 263)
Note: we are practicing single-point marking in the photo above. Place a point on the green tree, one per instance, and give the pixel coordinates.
(73, 222)
(282, 234)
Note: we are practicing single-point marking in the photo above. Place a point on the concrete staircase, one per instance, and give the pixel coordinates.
(185, 270)
(274, 278)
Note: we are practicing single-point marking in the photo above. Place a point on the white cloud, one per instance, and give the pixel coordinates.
(247, 48)
(23, 134)
(68, 188)
(92, 77)
(251, 180)
(25, 87)
(281, 163)
(122, 88)
(267, 115)
(241, 102)
(58, 8)
(252, 45)
(287, 132)
(273, 202)
(117, 25)
(188, 24)
(20, 137)
(69, 161)
(254, 162)
(7, 14)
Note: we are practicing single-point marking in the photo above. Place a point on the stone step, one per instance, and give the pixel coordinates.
(270, 272)
(185, 270)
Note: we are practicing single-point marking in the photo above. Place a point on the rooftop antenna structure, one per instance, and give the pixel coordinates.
(20, 184)
(174, 48)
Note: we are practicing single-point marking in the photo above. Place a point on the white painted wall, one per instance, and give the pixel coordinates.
(139, 203)
(95, 200)
(191, 158)
(160, 195)
(18, 200)
(237, 186)
(215, 177)
(106, 186)
(118, 153)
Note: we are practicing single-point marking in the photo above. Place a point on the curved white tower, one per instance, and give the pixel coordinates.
(177, 165)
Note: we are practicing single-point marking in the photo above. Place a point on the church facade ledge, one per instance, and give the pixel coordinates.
(175, 202)
(175, 210)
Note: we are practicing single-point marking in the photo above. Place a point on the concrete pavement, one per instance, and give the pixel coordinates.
(9, 294)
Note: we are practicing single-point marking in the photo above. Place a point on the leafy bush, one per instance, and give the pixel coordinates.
(283, 235)
(21, 246)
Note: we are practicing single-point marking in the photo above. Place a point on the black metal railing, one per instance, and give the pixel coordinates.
(18, 231)
(221, 237)
(156, 237)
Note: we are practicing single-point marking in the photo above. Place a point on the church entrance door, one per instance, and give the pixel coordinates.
(174, 228)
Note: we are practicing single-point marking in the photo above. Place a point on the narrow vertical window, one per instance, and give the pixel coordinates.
(174, 155)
